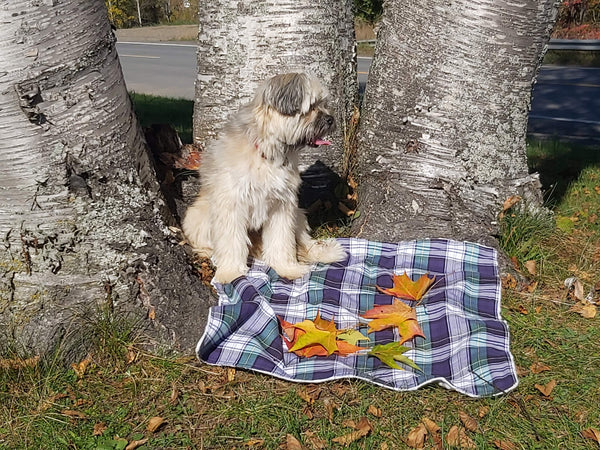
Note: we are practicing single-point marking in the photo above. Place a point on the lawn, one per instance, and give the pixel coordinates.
(121, 396)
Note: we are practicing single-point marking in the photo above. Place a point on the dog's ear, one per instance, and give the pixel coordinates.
(287, 93)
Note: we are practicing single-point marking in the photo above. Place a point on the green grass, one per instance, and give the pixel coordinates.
(177, 112)
(213, 408)
(559, 164)
(572, 58)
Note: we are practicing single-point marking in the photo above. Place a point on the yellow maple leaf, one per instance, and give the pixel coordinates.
(313, 335)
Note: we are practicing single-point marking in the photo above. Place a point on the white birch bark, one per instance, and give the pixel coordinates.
(442, 133)
(80, 226)
(242, 43)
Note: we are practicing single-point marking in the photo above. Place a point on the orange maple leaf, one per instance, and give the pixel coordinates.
(398, 315)
(315, 338)
(407, 289)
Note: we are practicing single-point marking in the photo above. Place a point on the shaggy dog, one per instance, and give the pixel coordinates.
(250, 179)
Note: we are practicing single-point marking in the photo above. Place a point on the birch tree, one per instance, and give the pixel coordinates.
(442, 132)
(80, 217)
(242, 43)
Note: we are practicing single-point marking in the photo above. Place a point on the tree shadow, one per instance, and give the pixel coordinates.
(559, 164)
(324, 196)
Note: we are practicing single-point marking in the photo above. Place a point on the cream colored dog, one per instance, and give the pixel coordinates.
(249, 183)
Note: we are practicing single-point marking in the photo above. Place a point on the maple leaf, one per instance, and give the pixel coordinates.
(345, 348)
(407, 289)
(313, 335)
(352, 336)
(392, 352)
(397, 315)
(319, 338)
(325, 325)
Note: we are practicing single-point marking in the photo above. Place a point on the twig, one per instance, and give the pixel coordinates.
(519, 402)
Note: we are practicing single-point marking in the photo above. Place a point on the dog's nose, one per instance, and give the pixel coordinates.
(330, 120)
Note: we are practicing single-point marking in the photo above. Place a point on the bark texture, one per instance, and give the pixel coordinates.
(242, 43)
(80, 218)
(442, 132)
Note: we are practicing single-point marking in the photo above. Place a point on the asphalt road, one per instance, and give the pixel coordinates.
(566, 100)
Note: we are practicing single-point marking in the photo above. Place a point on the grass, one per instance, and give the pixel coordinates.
(110, 402)
(153, 109)
(572, 58)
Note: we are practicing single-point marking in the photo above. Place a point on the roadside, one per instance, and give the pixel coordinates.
(160, 33)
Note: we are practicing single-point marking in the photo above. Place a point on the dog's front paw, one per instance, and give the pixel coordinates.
(326, 252)
(226, 275)
(291, 271)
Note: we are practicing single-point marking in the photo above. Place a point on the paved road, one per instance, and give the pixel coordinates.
(566, 100)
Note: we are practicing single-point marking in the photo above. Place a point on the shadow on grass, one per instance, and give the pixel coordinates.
(177, 112)
(559, 164)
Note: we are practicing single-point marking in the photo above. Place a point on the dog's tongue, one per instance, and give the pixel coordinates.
(322, 142)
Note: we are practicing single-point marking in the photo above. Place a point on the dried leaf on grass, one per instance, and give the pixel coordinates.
(591, 433)
(416, 437)
(363, 428)
(574, 288)
(99, 429)
(135, 444)
(469, 423)
(315, 442)
(81, 367)
(19, 363)
(309, 394)
(483, 411)
(504, 445)
(374, 410)
(584, 309)
(457, 437)
(508, 281)
(73, 413)
(531, 267)
(538, 367)
(154, 424)
(292, 443)
(546, 389)
(509, 203)
(330, 405)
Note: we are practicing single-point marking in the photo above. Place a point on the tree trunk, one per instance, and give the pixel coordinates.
(243, 43)
(80, 216)
(442, 132)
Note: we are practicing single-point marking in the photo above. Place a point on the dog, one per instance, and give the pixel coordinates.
(249, 181)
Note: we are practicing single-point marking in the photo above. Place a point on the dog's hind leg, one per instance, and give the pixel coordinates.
(279, 242)
(310, 250)
(196, 227)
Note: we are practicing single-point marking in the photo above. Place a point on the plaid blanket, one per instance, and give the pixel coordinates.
(466, 344)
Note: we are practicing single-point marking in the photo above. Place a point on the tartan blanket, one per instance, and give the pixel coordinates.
(466, 344)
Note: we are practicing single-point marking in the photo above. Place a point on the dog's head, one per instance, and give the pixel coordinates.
(292, 108)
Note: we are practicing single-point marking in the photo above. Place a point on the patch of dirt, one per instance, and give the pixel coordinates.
(158, 33)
